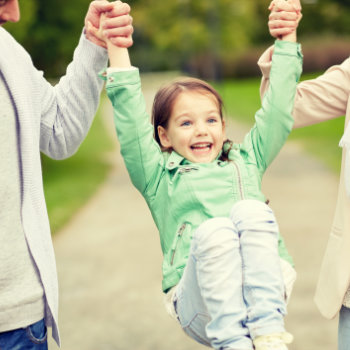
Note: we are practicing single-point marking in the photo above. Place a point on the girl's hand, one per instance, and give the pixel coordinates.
(284, 19)
(115, 26)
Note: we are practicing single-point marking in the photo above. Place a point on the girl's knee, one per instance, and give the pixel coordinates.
(253, 215)
(214, 233)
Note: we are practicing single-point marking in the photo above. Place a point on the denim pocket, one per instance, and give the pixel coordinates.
(196, 328)
(37, 332)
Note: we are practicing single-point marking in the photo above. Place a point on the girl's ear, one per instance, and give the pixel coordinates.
(224, 128)
(163, 137)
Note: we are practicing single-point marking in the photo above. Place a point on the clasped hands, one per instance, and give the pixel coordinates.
(115, 27)
(284, 19)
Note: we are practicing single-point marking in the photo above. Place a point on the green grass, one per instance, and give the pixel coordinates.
(242, 100)
(69, 183)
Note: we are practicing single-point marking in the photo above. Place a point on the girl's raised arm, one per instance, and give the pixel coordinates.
(117, 50)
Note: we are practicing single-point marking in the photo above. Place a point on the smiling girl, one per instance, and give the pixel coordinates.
(222, 267)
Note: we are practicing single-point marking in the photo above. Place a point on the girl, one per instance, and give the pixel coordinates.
(221, 267)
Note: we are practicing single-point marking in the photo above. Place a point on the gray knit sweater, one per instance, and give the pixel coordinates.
(21, 292)
(54, 120)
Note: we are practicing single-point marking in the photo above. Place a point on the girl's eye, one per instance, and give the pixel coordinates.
(212, 120)
(186, 123)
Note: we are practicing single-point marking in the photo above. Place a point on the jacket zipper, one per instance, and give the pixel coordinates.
(240, 186)
(187, 169)
(179, 234)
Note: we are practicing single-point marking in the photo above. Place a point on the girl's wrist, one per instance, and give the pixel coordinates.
(292, 37)
(118, 56)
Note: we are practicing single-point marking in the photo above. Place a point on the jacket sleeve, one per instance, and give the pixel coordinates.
(273, 122)
(68, 108)
(142, 154)
(316, 100)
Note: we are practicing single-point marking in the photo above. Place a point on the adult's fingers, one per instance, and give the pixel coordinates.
(120, 21)
(122, 41)
(101, 5)
(121, 31)
(95, 9)
(94, 35)
(278, 32)
(282, 24)
(283, 15)
(119, 8)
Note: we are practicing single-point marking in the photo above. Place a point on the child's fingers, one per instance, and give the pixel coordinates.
(283, 5)
(95, 10)
(271, 5)
(94, 34)
(296, 4)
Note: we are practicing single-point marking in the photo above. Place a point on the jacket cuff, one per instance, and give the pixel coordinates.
(281, 47)
(127, 77)
(287, 48)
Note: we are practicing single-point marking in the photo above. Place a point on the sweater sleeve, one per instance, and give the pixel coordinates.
(142, 155)
(273, 122)
(316, 100)
(68, 108)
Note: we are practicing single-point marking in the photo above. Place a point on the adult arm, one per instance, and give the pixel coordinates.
(316, 100)
(67, 109)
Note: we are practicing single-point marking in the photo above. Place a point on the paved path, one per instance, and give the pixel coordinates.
(109, 259)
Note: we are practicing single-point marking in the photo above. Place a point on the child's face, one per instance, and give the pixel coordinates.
(195, 128)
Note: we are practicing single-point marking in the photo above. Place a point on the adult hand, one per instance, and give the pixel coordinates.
(117, 26)
(284, 19)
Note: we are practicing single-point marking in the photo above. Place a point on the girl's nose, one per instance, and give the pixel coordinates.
(201, 129)
(11, 11)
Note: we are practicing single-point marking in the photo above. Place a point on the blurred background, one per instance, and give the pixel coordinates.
(212, 39)
(220, 41)
(217, 40)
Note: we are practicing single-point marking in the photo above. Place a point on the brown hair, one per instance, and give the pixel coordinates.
(166, 96)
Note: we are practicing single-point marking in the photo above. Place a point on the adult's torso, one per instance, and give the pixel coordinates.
(21, 292)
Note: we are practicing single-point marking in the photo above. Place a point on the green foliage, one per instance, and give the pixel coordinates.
(50, 31)
(20, 30)
(192, 35)
(188, 29)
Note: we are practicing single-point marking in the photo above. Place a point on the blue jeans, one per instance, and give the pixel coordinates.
(344, 329)
(33, 337)
(232, 288)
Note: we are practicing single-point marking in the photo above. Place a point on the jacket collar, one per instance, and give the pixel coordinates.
(175, 160)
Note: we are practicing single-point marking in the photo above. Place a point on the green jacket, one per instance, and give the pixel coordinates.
(181, 195)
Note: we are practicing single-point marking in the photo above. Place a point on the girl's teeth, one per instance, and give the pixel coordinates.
(200, 146)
